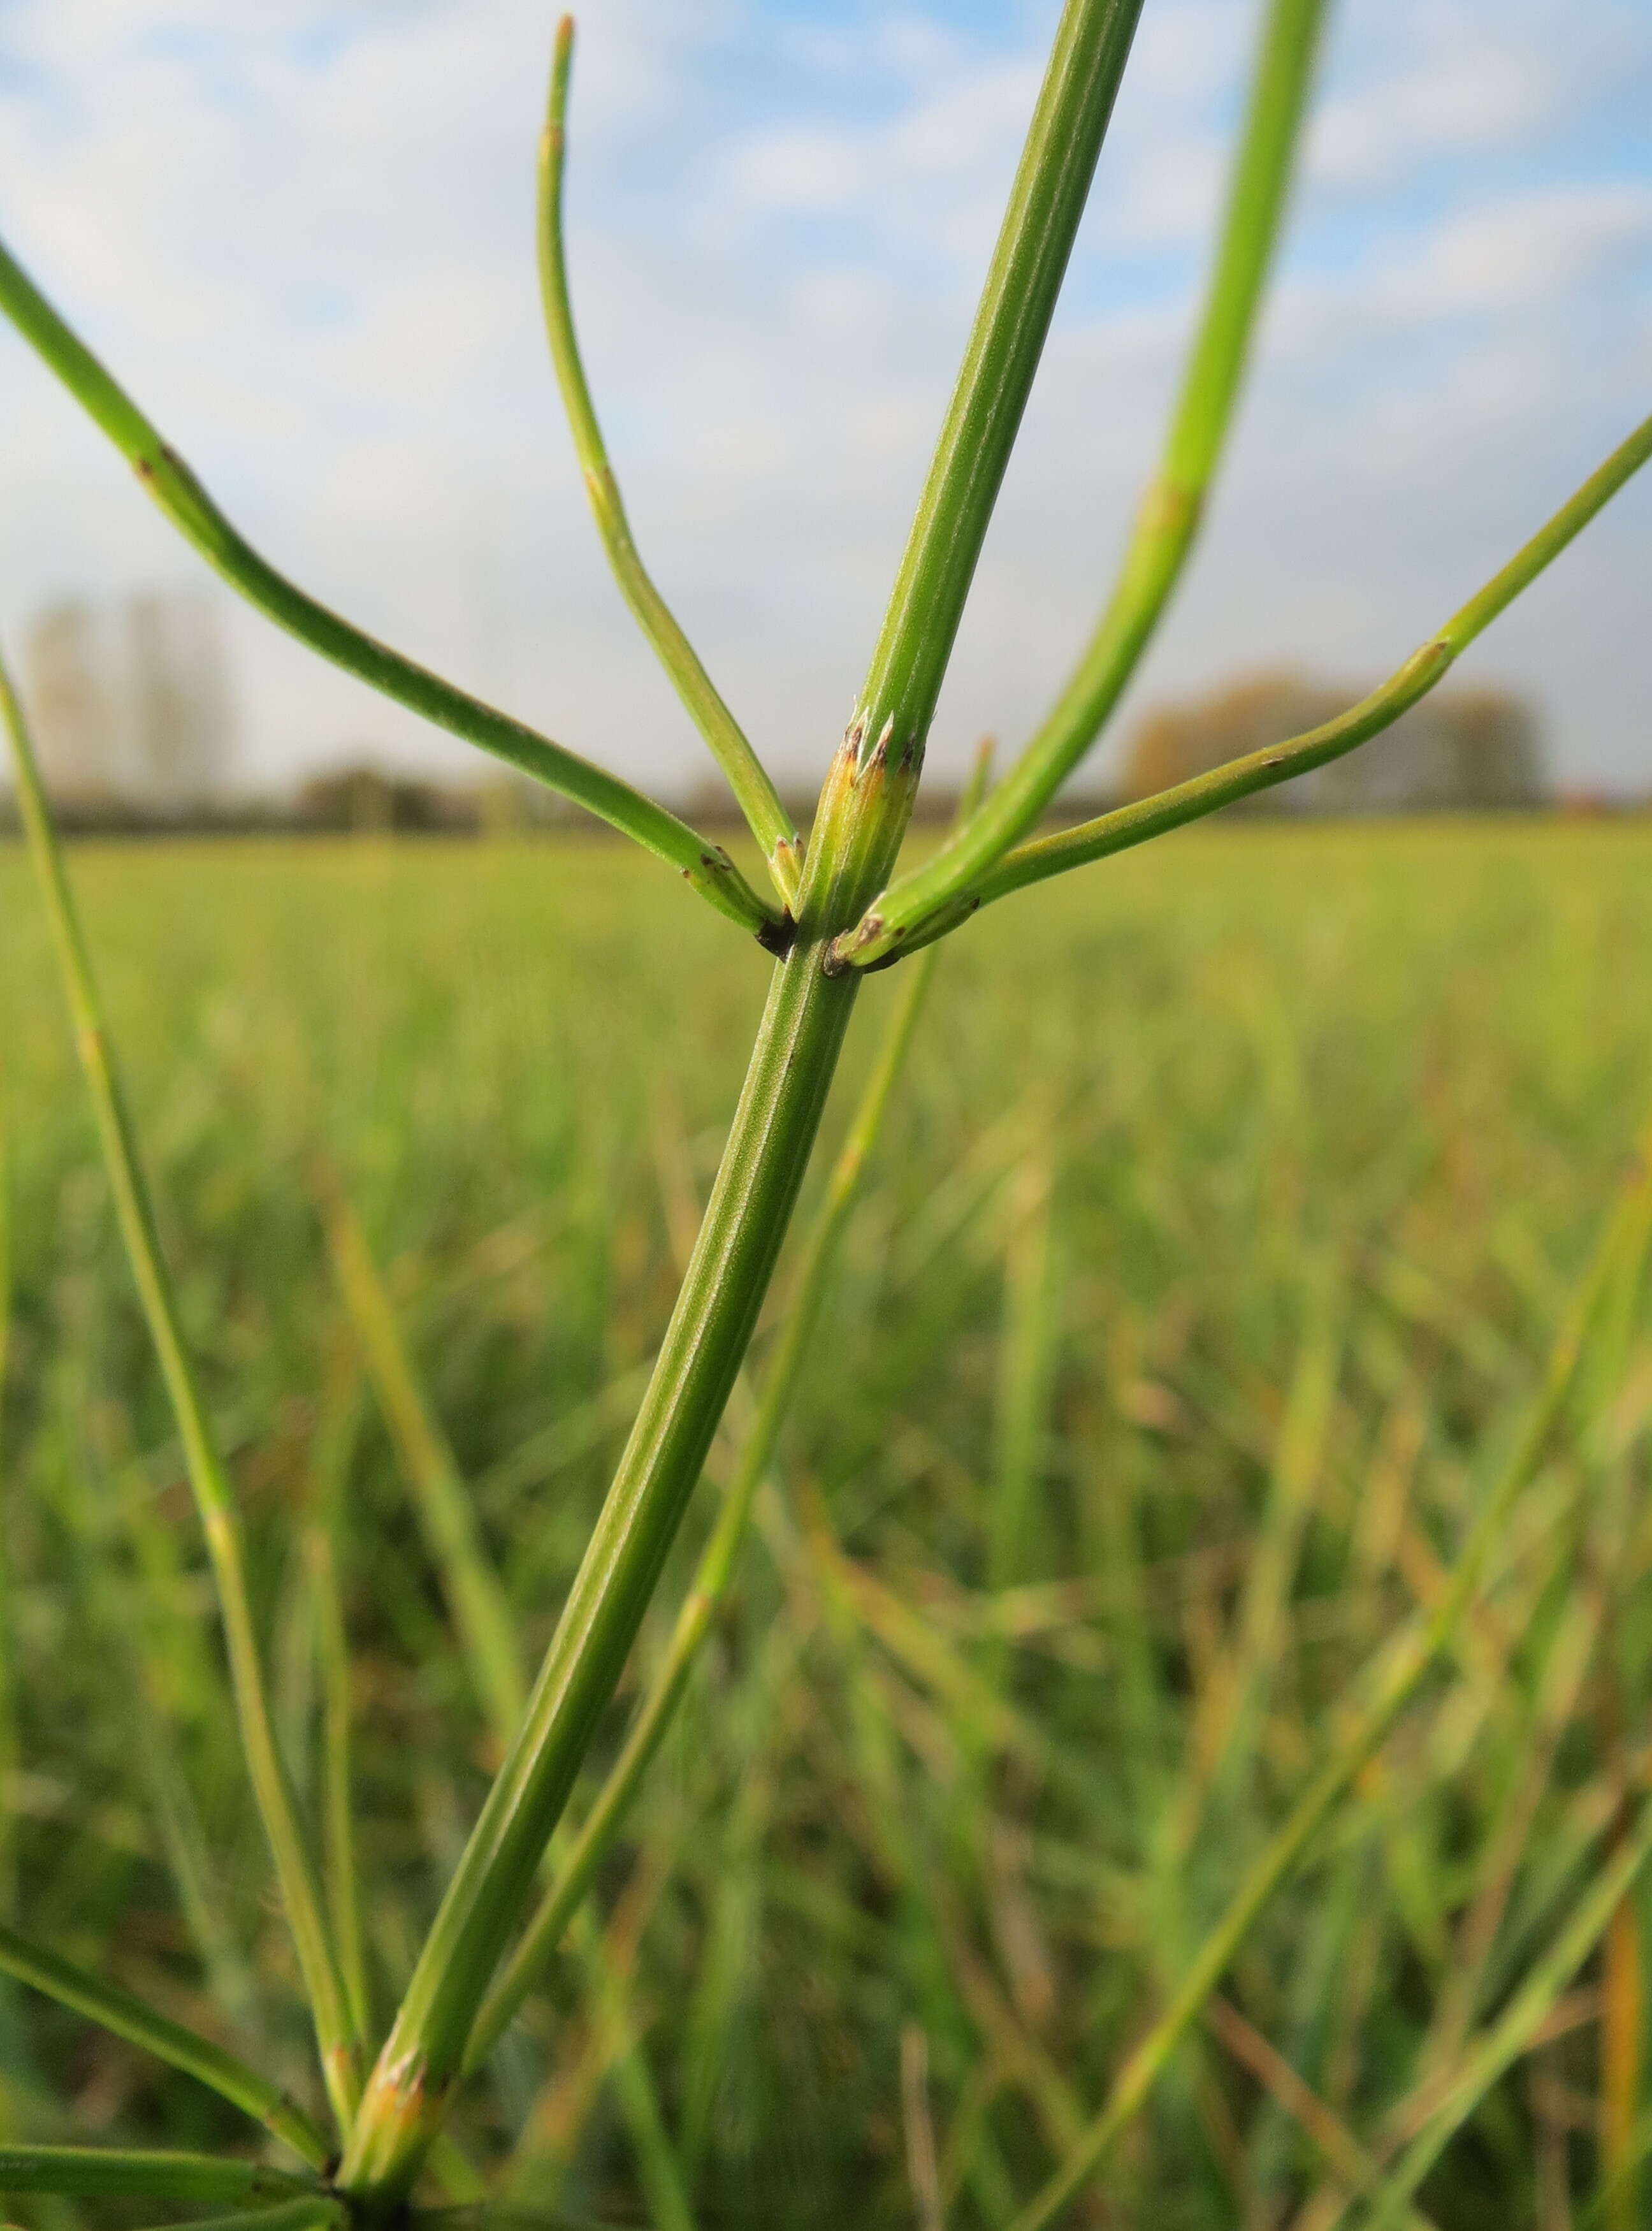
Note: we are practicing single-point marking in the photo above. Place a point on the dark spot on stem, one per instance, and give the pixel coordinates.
(778, 937)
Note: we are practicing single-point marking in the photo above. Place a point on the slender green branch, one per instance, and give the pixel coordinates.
(126, 2016)
(1393, 1681)
(1189, 801)
(101, 2172)
(792, 1347)
(214, 1500)
(706, 866)
(1168, 519)
(1051, 185)
(765, 816)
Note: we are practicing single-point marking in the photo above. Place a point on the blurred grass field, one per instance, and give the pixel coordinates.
(1229, 1209)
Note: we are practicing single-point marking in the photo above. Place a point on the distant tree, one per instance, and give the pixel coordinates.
(178, 702)
(1462, 750)
(74, 689)
(134, 704)
(363, 799)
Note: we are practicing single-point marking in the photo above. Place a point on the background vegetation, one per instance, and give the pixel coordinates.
(1226, 1216)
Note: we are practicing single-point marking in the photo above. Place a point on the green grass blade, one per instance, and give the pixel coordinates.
(8, 1637)
(323, 1534)
(1393, 1682)
(766, 818)
(486, 1631)
(1137, 823)
(153, 1637)
(706, 866)
(207, 1480)
(1168, 519)
(128, 2017)
(100, 2172)
(1513, 2033)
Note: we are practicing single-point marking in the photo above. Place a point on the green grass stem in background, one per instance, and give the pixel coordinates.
(1010, 1742)
(1396, 1153)
(214, 1499)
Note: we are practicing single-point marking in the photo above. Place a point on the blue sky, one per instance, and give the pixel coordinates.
(302, 234)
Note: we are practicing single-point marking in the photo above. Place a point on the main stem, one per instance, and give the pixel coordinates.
(768, 1148)
(862, 816)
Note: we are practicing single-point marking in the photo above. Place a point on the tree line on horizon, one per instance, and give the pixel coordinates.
(135, 715)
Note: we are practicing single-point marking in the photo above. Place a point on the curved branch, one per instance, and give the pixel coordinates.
(100, 2172)
(1147, 817)
(765, 816)
(192, 511)
(125, 2017)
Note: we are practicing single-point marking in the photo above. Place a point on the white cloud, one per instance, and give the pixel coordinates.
(302, 232)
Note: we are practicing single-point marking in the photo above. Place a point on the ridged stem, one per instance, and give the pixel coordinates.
(793, 1346)
(763, 1163)
(863, 811)
(1028, 263)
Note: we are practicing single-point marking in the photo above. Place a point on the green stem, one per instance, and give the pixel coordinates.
(765, 816)
(99, 2172)
(119, 2012)
(706, 866)
(1169, 516)
(793, 1346)
(1137, 823)
(768, 1146)
(864, 807)
(481, 1616)
(213, 1499)
(1028, 263)
(1395, 1678)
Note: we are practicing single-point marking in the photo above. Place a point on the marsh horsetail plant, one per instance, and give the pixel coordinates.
(840, 906)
